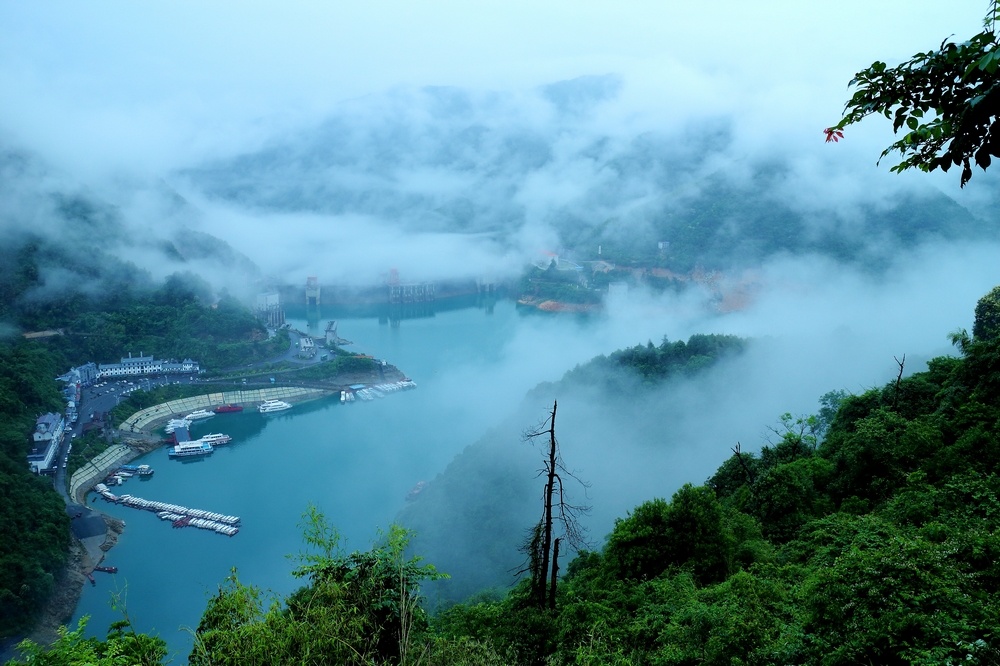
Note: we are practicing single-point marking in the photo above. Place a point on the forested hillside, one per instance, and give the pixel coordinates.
(34, 527)
(108, 309)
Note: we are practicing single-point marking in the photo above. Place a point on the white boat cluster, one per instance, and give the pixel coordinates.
(397, 386)
(228, 530)
(103, 491)
(177, 424)
(200, 523)
(208, 520)
(378, 391)
(139, 503)
(368, 394)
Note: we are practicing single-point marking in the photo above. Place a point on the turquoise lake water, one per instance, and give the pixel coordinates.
(356, 462)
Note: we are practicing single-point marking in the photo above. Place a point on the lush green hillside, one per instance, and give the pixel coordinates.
(878, 545)
(34, 527)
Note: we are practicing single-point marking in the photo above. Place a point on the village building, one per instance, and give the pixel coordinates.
(134, 366)
(45, 442)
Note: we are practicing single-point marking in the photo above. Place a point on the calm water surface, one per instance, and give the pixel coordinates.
(356, 462)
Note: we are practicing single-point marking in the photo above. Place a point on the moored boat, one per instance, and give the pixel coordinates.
(176, 424)
(199, 414)
(225, 409)
(195, 448)
(215, 439)
(271, 406)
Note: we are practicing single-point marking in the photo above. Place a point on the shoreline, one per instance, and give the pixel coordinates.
(68, 588)
(549, 305)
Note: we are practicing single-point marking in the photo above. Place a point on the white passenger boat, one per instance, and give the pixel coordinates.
(199, 414)
(215, 439)
(271, 406)
(195, 448)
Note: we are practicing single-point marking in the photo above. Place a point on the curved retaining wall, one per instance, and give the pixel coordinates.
(97, 468)
(151, 415)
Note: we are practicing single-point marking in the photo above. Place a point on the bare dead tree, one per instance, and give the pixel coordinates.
(541, 548)
(899, 379)
(746, 470)
(555, 572)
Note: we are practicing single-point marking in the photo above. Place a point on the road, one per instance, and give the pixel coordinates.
(290, 355)
(102, 398)
(97, 400)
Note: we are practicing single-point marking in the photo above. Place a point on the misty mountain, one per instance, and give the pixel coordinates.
(471, 519)
(63, 241)
(537, 167)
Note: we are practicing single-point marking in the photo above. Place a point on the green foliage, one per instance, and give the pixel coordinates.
(341, 365)
(987, 322)
(689, 531)
(177, 319)
(651, 364)
(944, 100)
(357, 608)
(123, 647)
(34, 527)
(867, 534)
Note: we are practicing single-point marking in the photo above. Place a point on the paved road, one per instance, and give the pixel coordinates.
(290, 355)
(97, 400)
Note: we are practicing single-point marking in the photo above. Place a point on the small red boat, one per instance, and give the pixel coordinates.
(225, 409)
(107, 569)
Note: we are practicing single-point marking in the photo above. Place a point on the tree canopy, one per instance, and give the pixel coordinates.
(945, 100)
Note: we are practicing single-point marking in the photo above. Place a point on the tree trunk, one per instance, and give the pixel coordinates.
(549, 490)
(555, 570)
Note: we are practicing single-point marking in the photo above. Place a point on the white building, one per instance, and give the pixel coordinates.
(45, 441)
(134, 366)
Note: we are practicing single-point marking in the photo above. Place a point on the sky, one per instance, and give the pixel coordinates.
(124, 89)
(374, 132)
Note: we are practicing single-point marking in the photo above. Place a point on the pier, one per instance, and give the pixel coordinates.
(179, 516)
(151, 416)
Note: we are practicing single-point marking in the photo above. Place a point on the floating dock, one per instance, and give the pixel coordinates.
(368, 393)
(180, 516)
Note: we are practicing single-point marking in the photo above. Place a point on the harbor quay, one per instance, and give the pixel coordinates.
(150, 417)
(140, 425)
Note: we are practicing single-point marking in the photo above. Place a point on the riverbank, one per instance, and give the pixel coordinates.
(61, 605)
(89, 552)
(558, 306)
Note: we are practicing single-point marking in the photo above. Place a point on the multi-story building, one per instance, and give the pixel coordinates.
(134, 366)
(45, 441)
